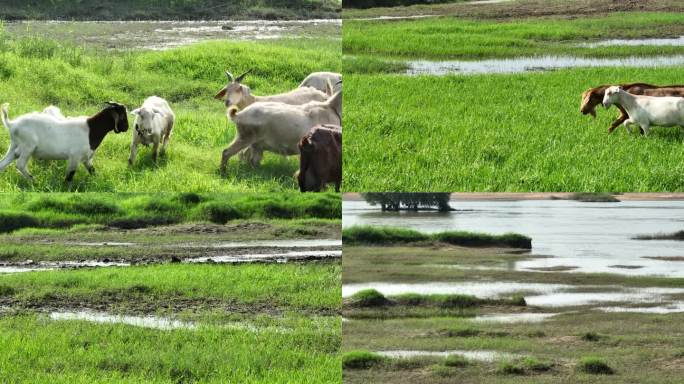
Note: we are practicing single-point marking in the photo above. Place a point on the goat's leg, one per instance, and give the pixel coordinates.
(627, 127)
(155, 150)
(22, 163)
(89, 166)
(621, 119)
(257, 155)
(645, 129)
(134, 149)
(9, 157)
(236, 146)
(167, 134)
(71, 171)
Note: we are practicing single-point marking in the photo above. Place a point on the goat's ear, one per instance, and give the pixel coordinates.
(221, 94)
(241, 77)
(136, 112)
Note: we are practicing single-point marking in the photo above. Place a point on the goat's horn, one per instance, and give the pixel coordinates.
(239, 78)
(229, 76)
(338, 82)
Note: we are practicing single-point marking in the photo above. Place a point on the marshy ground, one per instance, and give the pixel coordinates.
(249, 300)
(599, 296)
(500, 85)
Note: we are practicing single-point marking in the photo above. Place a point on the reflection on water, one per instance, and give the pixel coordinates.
(137, 321)
(511, 318)
(528, 64)
(486, 356)
(635, 42)
(282, 257)
(594, 237)
(490, 289)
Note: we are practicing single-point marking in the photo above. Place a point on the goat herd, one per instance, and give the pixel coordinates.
(306, 121)
(641, 104)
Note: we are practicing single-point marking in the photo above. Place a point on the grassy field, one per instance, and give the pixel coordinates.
(242, 322)
(463, 38)
(36, 72)
(528, 136)
(168, 9)
(502, 132)
(570, 346)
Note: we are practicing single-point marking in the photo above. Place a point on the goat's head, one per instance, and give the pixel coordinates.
(590, 99)
(610, 96)
(234, 91)
(144, 117)
(118, 113)
(335, 103)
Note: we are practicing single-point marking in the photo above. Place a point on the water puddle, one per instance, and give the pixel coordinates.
(678, 41)
(593, 237)
(137, 321)
(663, 309)
(269, 257)
(101, 244)
(19, 269)
(491, 289)
(510, 318)
(531, 64)
(163, 35)
(631, 295)
(486, 356)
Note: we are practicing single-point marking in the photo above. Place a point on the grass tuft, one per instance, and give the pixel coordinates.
(371, 235)
(369, 298)
(456, 361)
(361, 359)
(594, 365)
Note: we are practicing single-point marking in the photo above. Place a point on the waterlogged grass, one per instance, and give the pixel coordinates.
(520, 132)
(370, 235)
(373, 298)
(458, 38)
(580, 345)
(81, 352)
(63, 211)
(314, 287)
(36, 72)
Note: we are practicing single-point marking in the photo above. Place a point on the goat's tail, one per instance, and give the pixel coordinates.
(5, 116)
(232, 111)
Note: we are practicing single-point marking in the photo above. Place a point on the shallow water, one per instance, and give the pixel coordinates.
(631, 295)
(268, 257)
(493, 289)
(677, 41)
(663, 309)
(486, 356)
(510, 318)
(594, 237)
(138, 321)
(162, 35)
(530, 64)
(18, 269)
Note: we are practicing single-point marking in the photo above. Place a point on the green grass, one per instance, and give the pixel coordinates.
(169, 9)
(81, 352)
(360, 359)
(458, 38)
(369, 235)
(595, 365)
(63, 211)
(314, 287)
(518, 132)
(36, 72)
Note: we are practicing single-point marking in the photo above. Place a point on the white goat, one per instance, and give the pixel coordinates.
(278, 127)
(44, 136)
(53, 111)
(237, 94)
(320, 80)
(645, 111)
(153, 124)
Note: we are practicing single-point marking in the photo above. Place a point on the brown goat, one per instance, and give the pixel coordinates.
(320, 160)
(594, 96)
